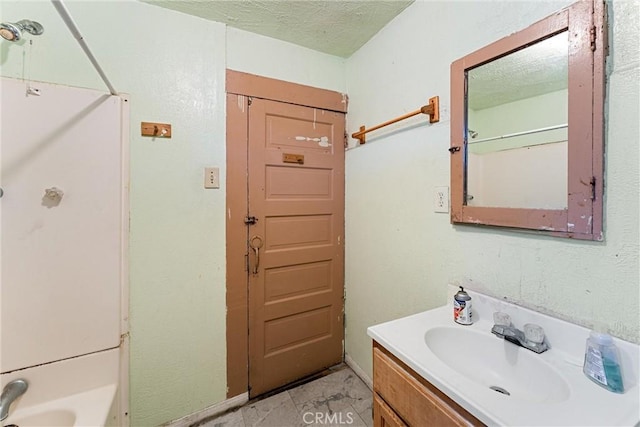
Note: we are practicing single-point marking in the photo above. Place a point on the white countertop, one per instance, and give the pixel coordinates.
(587, 403)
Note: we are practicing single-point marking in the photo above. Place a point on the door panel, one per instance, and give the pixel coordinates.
(298, 233)
(296, 190)
(295, 281)
(297, 183)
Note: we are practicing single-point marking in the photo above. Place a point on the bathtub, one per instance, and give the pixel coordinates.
(94, 407)
(81, 391)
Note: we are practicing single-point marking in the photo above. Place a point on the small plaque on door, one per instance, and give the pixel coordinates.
(293, 158)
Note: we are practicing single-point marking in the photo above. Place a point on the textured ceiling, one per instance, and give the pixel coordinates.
(535, 70)
(337, 27)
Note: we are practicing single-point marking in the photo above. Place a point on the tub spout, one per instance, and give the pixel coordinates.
(11, 392)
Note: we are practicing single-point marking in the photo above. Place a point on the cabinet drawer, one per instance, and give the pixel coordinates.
(416, 403)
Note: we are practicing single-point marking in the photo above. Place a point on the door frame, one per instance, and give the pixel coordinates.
(239, 88)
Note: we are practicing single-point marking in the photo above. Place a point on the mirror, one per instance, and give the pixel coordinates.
(527, 127)
(517, 109)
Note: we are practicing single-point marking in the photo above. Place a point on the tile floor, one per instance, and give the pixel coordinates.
(337, 399)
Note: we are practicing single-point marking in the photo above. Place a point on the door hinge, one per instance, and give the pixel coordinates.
(592, 36)
(250, 100)
(593, 188)
(346, 139)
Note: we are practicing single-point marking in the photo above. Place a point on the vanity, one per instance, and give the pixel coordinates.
(410, 397)
(429, 370)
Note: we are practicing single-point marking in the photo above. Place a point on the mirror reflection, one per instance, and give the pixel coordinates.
(517, 113)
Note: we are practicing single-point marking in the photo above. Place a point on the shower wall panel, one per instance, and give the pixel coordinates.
(61, 222)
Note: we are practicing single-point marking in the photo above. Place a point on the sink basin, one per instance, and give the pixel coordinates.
(513, 371)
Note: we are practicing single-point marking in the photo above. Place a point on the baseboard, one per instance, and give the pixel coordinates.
(358, 371)
(210, 411)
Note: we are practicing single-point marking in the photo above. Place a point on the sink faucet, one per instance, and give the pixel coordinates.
(532, 338)
(11, 392)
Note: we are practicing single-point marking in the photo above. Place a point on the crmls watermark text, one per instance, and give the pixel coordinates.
(324, 418)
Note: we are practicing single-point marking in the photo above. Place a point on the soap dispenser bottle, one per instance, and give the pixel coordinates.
(602, 362)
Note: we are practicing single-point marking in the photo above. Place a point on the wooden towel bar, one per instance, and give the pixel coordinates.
(432, 109)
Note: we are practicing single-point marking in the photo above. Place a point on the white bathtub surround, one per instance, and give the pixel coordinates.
(584, 403)
(61, 264)
(63, 288)
(82, 391)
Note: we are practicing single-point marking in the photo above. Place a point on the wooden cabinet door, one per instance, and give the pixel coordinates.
(417, 402)
(383, 415)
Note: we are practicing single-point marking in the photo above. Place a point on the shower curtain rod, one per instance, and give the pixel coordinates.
(66, 17)
(526, 132)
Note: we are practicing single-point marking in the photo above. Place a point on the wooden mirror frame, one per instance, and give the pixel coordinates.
(583, 219)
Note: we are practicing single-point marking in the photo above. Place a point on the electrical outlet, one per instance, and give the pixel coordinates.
(441, 199)
(211, 178)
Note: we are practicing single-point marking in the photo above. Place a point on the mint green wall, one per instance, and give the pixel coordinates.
(172, 66)
(400, 259)
(285, 61)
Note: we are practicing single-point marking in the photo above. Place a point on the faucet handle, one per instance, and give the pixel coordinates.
(501, 319)
(533, 333)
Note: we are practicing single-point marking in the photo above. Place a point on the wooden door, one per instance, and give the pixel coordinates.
(296, 256)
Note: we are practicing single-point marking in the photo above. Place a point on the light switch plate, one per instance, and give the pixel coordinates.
(441, 199)
(211, 178)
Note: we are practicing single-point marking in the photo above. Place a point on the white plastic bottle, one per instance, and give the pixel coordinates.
(602, 363)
